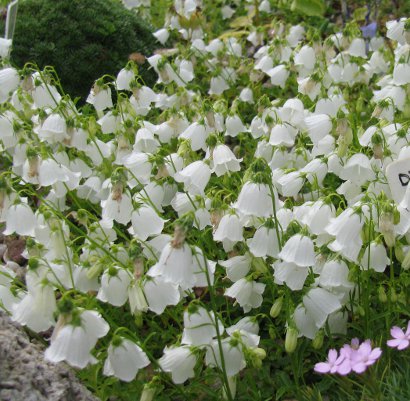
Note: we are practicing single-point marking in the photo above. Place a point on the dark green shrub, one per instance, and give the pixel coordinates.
(82, 39)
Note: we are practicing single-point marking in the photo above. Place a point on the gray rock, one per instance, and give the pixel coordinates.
(26, 376)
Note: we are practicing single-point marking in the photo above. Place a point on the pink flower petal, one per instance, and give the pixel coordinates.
(403, 344)
(396, 332)
(394, 343)
(322, 367)
(344, 368)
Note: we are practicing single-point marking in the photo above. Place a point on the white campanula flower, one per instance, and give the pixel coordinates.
(140, 167)
(145, 141)
(232, 353)
(100, 98)
(145, 223)
(335, 275)
(395, 30)
(74, 340)
(224, 160)
(358, 169)
(195, 177)
(180, 362)
(141, 100)
(54, 129)
(197, 134)
(218, 85)
(248, 293)
(318, 217)
(234, 125)
(293, 112)
(295, 35)
(229, 231)
(278, 75)
(291, 274)
(282, 134)
(246, 95)
(124, 359)
(264, 242)
(162, 35)
(357, 48)
(5, 45)
(117, 207)
(375, 257)
(237, 267)
(199, 326)
(160, 293)
(204, 269)
(20, 219)
(9, 82)
(299, 249)
(290, 184)
(401, 74)
(124, 79)
(114, 286)
(305, 58)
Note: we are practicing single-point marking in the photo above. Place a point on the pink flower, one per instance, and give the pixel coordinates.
(331, 365)
(364, 356)
(401, 339)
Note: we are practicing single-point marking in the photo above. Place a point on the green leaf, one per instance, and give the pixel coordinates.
(312, 8)
(360, 13)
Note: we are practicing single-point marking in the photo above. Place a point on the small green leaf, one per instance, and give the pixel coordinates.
(312, 8)
(360, 14)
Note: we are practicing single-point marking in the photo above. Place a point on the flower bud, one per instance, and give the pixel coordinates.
(148, 393)
(399, 253)
(393, 295)
(276, 308)
(291, 340)
(406, 261)
(386, 226)
(382, 295)
(317, 342)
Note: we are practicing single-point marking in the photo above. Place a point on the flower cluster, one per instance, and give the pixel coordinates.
(355, 357)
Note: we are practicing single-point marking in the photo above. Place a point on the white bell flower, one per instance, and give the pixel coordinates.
(248, 293)
(279, 75)
(306, 57)
(318, 126)
(197, 134)
(401, 74)
(290, 184)
(395, 30)
(335, 275)
(377, 260)
(218, 85)
(318, 217)
(358, 169)
(298, 249)
(237, 267)
(145, 223)
(5, 45)
(234, 126)
(229, 231)
(357, 48)
(73, 341)
(114, 286)
(160, 293)
(54, 129)
(161, 35)
(20, 219)
(282, 135)
(195, 177)
(180, 362)
(224, 160)
(9, 82)
(264, 242)
(124, 78)
(246, 95)
(100, 98)
(199, 327)
(117, 207)
(124, 359)
(291, 274)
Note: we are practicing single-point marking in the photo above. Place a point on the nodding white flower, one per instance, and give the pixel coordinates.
(46, 96)
(136, 297)
(264, 242)
(74, 340)
(175, 264)
(375, 258)
(199, 326)
(117, 207)
(140, 167)
(141, 100)
(234, 125)
(290, 273)
(124, 359)
(309, 87)
(145, 223)
(335, 275)
(358, 169)
(377, 64)
(248, 293)
(229, 231)
(195, 177)
(279, 75)
(357, 48)
(256, 200)
(180, 362)
(319, 304)
(100, 98)
(282, 134)
(197, 134)
(292, 112)
(224, 160)
(318, 126)
(160, 293)
(114, 286)
(162, 35)
(264, 64)
(246, 95)
(232, 353)
(315, 171)
(145, 141)
(20, 219)
(36, 309)
(306, 57)
(227, 12)
(9, 82)
(295, 35)
(124, 79)
(237, 267)
(298, 249)
(54, 129)
(401, 74)
(218, 85)
(318, 217)
(185, 8)
(290, 184)
(395, 30)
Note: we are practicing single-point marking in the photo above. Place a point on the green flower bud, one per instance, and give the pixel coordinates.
(317, 342)
(406, 261)
(393, 295)
(276, 308)
(399, 253)
(382, 295)
(291, 340)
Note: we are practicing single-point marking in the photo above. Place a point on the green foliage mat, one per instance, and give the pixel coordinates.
(82, 39)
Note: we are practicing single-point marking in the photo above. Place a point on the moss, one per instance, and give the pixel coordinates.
(82, 39)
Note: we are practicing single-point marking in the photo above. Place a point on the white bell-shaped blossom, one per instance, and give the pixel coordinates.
(54, 129)
(162, 35)
(161, 293)
(20, 219)
(224, 160)
(291, 274)
(335, 275)
(124, 360)
(375, 257)
(197, 135)
(255, 200)
(73, 341)
(124, 78)
(264, 242)
(9, 82)
(229, 231)
(299, 249)
(145, 223)
(100, 98)
(180, 362)
(248, 293)
(114, 285)
(117, 207)
(195, 177)
(237, 267)
(199, 327)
